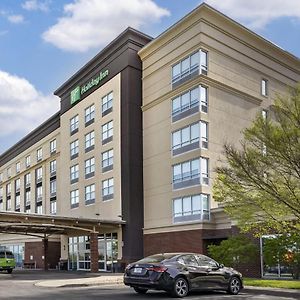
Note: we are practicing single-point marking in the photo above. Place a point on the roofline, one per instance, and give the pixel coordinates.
(205, 5)
(101, 53)
(35, 131)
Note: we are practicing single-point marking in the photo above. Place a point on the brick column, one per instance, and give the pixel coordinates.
(94, 252)
(45, 246)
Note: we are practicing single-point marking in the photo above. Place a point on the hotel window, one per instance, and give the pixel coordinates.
(189, 173)
(53, 188)
(264, 114)
(1, 177)
(1, 193)
(90, 194)
(74, 124)
(89, 141)
(107, 103)
(188, 103)
(187, 138)
(52, 167)
(9, 172)
(39, 154)
(264, 87)
(52, 207)
(18, 167)
(89, 115)
(74, 173)
(107, 160)
(1, 204)
(191, 208)
(74, 149)
(53, 146)
(74, 198)
(27, 161)
(39, 193)
(8, 204)
(107, 132)
(189, 67)
(27, 180)
(89, 168)
(8, 189)
(39, 208)
(17, 201)
(108, 189)
(39, 174)
(17, 185)
(27, 198)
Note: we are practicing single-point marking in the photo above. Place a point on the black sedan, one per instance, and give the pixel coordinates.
(179, 273)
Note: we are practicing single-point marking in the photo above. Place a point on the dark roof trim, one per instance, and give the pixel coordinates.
(127, 35)
(30, 139)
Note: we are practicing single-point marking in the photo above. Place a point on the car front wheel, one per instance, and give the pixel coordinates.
(9, 271)
(140, 290)
(234, 286)
(180, 288)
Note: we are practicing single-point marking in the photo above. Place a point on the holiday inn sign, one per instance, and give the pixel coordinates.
(78, 91)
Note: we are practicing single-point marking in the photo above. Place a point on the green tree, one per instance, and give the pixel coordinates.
(234, 251)
(259, 184)
(285, 250)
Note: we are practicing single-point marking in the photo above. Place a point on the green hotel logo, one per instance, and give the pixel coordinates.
(75, 95)
(78, 91)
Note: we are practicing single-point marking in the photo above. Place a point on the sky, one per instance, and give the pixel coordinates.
(44, 42)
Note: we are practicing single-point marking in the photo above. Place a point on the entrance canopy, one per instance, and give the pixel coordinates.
(46, 225)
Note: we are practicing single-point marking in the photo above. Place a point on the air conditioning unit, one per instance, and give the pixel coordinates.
(205, 144)
(205, 180)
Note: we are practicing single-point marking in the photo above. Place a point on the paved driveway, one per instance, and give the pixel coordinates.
(20, 285)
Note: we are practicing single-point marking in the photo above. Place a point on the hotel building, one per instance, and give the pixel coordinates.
(126, 167)
(81, 170)
(204, 80)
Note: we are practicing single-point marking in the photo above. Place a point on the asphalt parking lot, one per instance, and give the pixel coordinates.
(21, 285)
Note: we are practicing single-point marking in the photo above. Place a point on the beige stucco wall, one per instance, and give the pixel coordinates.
(110, 209)
(237, 62)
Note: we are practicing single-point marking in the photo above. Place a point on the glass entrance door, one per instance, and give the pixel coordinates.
(108, 251)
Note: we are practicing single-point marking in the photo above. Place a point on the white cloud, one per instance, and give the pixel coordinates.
(22, 107)
(34, 5)
(15, 19)
(88, 24)
(257, 13)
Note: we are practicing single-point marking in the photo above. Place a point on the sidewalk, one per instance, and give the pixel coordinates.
(78, 282)
(116, 279)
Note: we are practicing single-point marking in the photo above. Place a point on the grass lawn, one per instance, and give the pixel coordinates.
(284, 284)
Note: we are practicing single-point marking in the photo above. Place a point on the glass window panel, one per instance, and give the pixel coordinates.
(196, 203)
(205, 203)
(185, 65)
(204, 131)
(176, 104)
(194, 95)
(185, 100)
(176, 139)
(203, 58)
(176, 70)
(204, 165)
(194, 132)
(177, 207)
(185, 136)
(195, 59)
(187, 206)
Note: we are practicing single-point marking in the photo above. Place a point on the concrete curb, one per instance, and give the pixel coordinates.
(249, 287)
(81, 282)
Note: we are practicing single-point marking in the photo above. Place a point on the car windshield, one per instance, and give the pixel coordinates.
(157, 258)
(9, 254)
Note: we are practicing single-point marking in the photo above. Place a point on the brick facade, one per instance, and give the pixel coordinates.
(36, 251)
(196, 241)
(94, 252)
